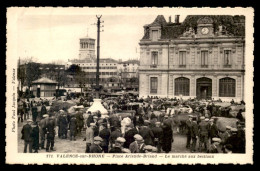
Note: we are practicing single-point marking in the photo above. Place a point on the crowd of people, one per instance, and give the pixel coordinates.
(140, 132)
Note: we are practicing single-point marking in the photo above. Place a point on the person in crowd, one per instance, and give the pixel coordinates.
(167, 138)
(215, 146)
(90, 136)
(63, 126)
(114, 135)
(236, 142)
(129, 135)
(42, 130)
(188, 131)
(213, 131)
(226, 134)
(80, 121)
(158, 135)
(73, 128)
(194, 134)
(117, 148)
(138, 145)
(147, 133)
(95, 147)
(27, 135)
(203, 134)
(50, 131)
(228, 149)
(104, 133)
(34, 112)
(90, 119)
(43, 110)
(239, 115)
(35, 137)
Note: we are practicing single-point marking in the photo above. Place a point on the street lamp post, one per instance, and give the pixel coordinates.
(98, 50)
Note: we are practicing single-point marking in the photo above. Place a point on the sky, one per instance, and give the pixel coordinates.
(53, 35)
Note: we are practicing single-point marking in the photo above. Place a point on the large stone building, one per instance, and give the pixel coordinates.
(201, 57)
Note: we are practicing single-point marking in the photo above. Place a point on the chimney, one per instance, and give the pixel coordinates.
(177, 18)
(170, 19)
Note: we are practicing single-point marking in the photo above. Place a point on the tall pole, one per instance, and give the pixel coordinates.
(98, 49)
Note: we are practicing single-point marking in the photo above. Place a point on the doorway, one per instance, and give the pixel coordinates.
(204, 88)
(38, 92)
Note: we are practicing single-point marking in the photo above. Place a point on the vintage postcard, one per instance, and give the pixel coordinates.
(129, 85)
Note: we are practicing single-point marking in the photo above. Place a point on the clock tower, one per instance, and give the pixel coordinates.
(205, 27)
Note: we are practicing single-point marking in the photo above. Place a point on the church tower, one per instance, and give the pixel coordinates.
(87, 48)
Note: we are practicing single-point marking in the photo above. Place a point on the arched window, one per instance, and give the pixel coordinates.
(227, 87)
(182, 86)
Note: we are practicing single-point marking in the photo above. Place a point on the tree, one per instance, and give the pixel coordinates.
(79, 75)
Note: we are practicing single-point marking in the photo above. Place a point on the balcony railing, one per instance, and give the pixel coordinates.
(204, 66)
(227, 66)
(182, 66)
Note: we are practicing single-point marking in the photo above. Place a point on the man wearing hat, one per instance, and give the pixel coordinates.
(34, 112)
(228, 149)
(147, 133)
(237, 142)
(213, 130)
(188, 131)
(27, 136)
(89, 136)
(215, 146)
(35, 136)
(42, 129)
(203, 134)
(114, 135)
(148, 149)
(118, 145)
(194, 134)
(95, 147)
(138, 145)
(63, 126)
(226, 134)
(158, 135)
(50, 128)
(104, 133)
(73, 127)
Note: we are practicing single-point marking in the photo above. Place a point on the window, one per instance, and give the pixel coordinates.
(154, 84)
(154, 58)
(154, 35)
(227, 87)
(182, 86)
(182, 58)
(204, 58)
(227, 58)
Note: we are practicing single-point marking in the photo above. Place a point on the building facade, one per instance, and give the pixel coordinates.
(202, 57)
(128, 73)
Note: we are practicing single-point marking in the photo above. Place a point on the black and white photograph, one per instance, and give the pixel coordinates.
(129, 85)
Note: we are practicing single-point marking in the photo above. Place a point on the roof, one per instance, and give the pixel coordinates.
(130, 62)
(45, 81)
(235, 25)
(107, 60)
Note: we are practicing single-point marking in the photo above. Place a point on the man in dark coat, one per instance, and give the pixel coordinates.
(236, 141)
(213, 130)
(129, 136)
(167, 138)
(27, 136)
(104, 134)
(114, 135)
(95, 147)
(90, 119)
(240, 116)
(117, 148)
(43, 110)
(63, 126)
(73, 127)
(194, 134)
(80, 121)
(138, 120)
(188, 131)
(203, 134)
(50, 128)
(158, 135)
(147, 133)
(42, 130)
(35, 136)
(34, 112)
